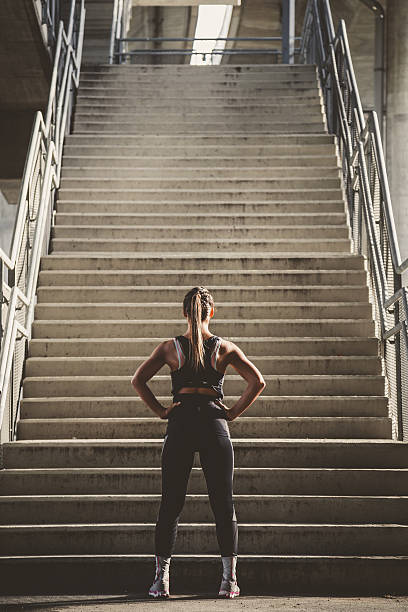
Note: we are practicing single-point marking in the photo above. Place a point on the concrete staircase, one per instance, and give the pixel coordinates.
(226, 177)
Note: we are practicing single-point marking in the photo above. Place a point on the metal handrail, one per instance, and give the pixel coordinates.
(19, 270)
(48, 14)
(120, 25)
(368, 195)
(119, 40)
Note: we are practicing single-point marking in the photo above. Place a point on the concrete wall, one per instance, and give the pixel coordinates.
(397, 115)
(9, 191)
(162, 22)
(25, 71)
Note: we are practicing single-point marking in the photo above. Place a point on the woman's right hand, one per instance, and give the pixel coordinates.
(166, 411)
(228, 412)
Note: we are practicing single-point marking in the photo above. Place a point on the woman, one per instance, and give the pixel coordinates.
(197, 420)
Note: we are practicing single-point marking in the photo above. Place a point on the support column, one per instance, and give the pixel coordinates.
(397, 115)
(288, 31)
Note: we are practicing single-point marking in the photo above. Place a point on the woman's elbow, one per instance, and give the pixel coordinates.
(260, 384)
(136, 381)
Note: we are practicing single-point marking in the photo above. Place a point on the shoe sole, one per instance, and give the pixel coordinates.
(159, 594)
(228, 594)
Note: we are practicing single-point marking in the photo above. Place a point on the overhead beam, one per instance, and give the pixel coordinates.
(183, 2)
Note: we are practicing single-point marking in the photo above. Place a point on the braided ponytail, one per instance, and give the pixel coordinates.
(197, 306)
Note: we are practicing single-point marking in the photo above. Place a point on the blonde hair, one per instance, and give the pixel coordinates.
(197, 306)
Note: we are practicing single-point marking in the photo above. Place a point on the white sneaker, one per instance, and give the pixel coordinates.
(161, 582)
(229, 587)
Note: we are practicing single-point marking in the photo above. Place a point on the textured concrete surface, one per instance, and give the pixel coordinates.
(187, 603)
(397, 116)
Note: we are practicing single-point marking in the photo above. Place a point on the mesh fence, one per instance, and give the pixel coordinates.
(366, 189)
(33, 226)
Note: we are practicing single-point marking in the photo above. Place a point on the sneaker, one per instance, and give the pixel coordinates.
(161, 582)
(228, 589)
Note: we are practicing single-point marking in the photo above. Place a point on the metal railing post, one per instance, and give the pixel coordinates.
(288, 31)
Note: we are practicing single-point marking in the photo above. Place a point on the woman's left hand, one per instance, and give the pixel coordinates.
(166, 411)
(228, 414)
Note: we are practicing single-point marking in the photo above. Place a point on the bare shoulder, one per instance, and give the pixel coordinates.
(229, 352)
(163, 351)
(166, 347)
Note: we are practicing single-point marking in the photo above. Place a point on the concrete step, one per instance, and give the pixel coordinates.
(258, 574)
(120, 366)
(232, 104)
(206, 115)
(195, 233)
(96, 295)
(110, 328)
(200, 141)
(122, 245)
(203, 174)
(223, 104)
(236, 262)
(122, 407)
(233, 194)
(169, 98)
(194, 77)
(256, 453)
(160, 147)
(248, 481)
(95, 277)
(170, 310)
(258, 89)
(194, 82)
(196, 538)
(132, 69)
(244, 427)
(89, 126)
(234, 183)
(167, 218)
(266, 163)
(157, 92)
(200, 208)
(100, 386)
(152, 87)
(56, 509)
(267, 346)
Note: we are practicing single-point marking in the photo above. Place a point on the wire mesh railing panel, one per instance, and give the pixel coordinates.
(403, 347)
(369, 206)
(19, 272)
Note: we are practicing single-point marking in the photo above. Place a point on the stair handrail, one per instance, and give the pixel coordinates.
(19, 271)
(121, 16)
(369, 207)
(48, 14)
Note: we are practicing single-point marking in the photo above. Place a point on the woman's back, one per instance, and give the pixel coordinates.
(205, 376)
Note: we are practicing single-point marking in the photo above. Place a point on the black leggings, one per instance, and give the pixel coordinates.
(197, 424)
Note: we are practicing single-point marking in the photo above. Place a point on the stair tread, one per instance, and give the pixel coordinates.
(248, 418)
(194, 496)
(259, 442)
(196, 525)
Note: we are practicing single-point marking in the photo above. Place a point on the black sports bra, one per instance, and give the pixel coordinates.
(206, 377)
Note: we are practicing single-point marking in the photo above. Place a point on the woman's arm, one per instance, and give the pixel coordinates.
(256, 383)
(144, 373)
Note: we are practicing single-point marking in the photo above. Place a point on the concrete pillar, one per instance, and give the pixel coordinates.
(397, 115)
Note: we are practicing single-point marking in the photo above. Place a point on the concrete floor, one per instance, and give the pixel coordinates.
(186, 603)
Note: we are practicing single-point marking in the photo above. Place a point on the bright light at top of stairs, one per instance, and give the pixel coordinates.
(184, 2)
(213, 21)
